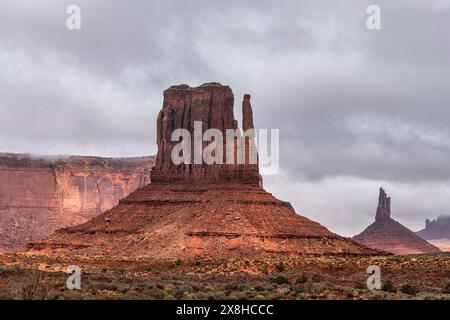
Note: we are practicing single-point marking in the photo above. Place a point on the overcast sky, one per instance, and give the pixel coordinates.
(357, 109)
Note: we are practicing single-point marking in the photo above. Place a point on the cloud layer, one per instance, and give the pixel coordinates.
(357, 108)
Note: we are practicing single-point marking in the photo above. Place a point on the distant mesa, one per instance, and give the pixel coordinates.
(437, 232)
(389, 235)
(191, 210)
(436, 229)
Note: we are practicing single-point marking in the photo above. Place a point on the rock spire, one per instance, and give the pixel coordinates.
(384, 206)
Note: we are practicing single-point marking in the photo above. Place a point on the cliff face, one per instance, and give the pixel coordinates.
(39, 194)
(211, 105)
(389, 235)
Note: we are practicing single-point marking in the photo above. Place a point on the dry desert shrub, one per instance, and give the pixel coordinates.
(409, 289)
(388, 286)
(29, 285)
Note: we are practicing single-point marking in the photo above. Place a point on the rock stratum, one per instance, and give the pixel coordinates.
(191, 210)
(389, 235)
(39, 194)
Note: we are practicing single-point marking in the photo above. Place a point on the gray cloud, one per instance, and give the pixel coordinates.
(355, 107)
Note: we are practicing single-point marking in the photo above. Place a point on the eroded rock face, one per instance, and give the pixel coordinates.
(389, 235)
(41, 194)
(384, 207)
(212, 105)
(200, 210)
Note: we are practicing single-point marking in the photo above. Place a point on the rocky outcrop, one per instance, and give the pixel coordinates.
(210, 104)
(247, 114)
(199, 209)
(437, 232)
(389, 235)
(39, 194)
(384, 207)
(436, 229)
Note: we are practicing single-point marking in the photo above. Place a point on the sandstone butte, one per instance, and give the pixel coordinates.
(436, 229)
(389, 235)
(40, 194)
(437, 232)
(200, 210)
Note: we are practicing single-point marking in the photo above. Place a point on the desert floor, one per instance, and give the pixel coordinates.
(24, 276)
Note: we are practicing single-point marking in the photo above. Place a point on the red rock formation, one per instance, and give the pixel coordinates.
(41, 194)
(384, 207)
(247, 113)
(199, 209)
(212, 104)
(389, 235)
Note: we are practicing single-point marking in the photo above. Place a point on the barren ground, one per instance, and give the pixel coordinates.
(44, 277)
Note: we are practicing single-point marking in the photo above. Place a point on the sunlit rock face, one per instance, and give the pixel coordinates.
(39, 194)
(200, 210)
(389, 235)
(211, 104)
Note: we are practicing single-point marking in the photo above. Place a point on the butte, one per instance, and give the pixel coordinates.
(200, 210)
(389, 235)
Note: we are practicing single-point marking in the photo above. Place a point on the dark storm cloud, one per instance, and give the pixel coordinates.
(356, 108)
